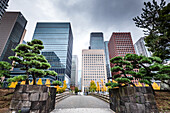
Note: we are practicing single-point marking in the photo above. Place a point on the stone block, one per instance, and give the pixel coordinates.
(149, 90)
(43, 96)
(25, 96)
(15, 105)
(133, 107)
(140, 108)
(122, 109)
(131, 91)
(43, 88)
(132, 99)
(19, 88)
(32, 88)
(17, 96)
(35, 111)
(36, 105)
(142, 99)
(124, 99)
(26, 104)
(143, 90)
(127, 106)
(138, 89)
(34, 97)
(149, 97)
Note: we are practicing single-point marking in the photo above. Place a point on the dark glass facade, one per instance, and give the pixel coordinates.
(3, 6)
(96, 40)
(57, 39)
(107, 59)
(12, 28)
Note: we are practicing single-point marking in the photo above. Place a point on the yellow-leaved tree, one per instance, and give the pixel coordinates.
(98, 87)
(64, 85)
(92, 86)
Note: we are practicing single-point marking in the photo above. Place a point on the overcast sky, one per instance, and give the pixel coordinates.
(86, 16)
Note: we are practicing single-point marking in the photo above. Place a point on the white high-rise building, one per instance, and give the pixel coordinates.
(141, 49)
(74, 71)
(93, 67)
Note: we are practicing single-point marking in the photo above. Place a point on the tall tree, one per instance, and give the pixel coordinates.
(155, 20)
(4, 70)
(29, 59)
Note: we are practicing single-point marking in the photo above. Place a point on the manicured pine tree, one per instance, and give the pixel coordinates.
(4, 70)
(149, 68)
(29, 59)
(122, 68)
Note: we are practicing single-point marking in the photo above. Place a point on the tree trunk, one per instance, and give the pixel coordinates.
(27, 79)
(152, 89)
(34, 79)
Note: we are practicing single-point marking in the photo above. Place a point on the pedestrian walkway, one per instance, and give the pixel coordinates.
(82, 104)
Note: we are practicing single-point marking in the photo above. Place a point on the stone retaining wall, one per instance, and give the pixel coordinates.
(33, 98)
(132, 100)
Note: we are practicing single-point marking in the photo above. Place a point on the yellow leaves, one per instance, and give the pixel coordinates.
(98, 87)
(39, 82)
(13, 84)
(23, 82)
(155, 86)
(61, 89)
(47, 83)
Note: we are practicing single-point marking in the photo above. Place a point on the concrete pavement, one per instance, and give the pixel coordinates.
(82, 104)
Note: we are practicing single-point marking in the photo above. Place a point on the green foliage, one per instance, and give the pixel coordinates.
(116, 69)
(76, 89)
(4, 69)
(28, 56)
(57, 83)
(155, 20)
(149, 68)
(123, 80)
(113, 84)
(17, 78)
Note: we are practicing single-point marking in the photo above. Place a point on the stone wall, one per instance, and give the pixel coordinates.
(132, 100)
(33, 98)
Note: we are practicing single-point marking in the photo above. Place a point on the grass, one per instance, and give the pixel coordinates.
(163, 101)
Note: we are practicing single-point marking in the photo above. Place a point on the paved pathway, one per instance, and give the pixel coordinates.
(82, 104)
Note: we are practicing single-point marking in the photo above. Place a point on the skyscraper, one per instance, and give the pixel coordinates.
(141, 49)
(107, 59)
(93, 67)
(57, 39)
(96, 40)
(74, 72)
(3, 6)
(12, 30)
(120, 44)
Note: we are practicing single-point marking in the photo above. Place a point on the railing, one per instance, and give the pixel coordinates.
(62, 96)
(101, 96)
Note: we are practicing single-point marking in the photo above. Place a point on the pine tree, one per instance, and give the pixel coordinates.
(4, 70)
(149, 68)
(29, 59)
(155, 20)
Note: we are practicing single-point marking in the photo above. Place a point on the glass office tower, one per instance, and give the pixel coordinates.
(96, 40)
(57, 39)
(107, 59)
(3, 6)
(12, 32)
